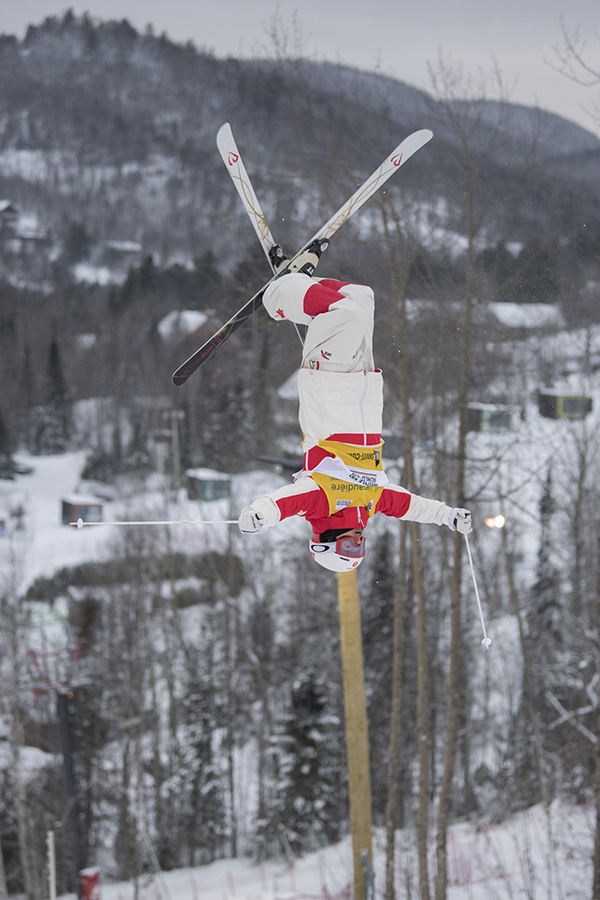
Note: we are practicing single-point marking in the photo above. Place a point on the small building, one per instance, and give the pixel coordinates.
(180, 323)
(207, 484)
(9, 214)
(121, 254)
(554, 405)
(80, 506)
(489, 418)
(31, 240)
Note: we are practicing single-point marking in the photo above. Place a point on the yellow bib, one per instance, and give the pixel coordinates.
(364, 463)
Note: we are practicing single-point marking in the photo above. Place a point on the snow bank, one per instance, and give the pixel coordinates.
(527, 315)
(537, 853)
(179, 323)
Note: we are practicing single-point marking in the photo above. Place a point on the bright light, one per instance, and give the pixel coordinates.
(495, 522)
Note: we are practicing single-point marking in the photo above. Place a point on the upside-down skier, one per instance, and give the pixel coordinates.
(342, 483)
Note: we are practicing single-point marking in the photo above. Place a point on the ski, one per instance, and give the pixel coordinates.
(233, 163)
(397, 158)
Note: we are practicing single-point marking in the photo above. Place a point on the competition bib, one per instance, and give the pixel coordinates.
(355, 476)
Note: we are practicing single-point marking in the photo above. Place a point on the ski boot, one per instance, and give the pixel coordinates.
(306, 262)
(277, 257)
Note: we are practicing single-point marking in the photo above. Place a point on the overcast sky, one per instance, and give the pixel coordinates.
(396, 36)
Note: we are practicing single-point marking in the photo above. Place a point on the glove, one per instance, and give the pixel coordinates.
(459, 520)
(251, 522)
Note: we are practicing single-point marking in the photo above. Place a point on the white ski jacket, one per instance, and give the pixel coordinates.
(341, 401)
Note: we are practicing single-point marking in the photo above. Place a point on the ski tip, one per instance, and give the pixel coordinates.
(424, 135)
(178, 379)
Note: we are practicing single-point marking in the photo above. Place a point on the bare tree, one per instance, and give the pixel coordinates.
(573, 61)
(475, 132)
(395, 745)
(11, 575)
(399, 257)
(596, 857)
(3, 887)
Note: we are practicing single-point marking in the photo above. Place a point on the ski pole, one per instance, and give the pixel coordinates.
(486, 640)
(81, 524)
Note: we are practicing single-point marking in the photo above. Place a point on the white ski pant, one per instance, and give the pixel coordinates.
(339, 390)
(339, 317)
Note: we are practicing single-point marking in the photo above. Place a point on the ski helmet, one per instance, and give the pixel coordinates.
(342, 555)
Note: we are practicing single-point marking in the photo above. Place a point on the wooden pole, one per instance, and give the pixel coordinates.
(51, 865)
(357, 738)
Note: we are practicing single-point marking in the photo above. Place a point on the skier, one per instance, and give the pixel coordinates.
(342, 483)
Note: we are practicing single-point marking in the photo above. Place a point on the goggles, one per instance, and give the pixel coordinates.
(346, 546)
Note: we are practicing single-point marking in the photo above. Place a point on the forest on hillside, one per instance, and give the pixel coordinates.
(96, 122)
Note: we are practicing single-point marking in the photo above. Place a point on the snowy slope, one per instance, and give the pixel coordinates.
(536, 854)
(45, 544)
(511, 860)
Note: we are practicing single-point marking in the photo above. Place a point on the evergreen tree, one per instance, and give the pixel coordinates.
(117, 447)
(99, 466)
(26, 383)
(51, 421)
(77, 243)
(8, 467)
(308, 794)
(544, 646)
(140, 281)
(538, 278)
(137, 458)
(207, 271)
(545, 614)
(105, 465)
(195, 790)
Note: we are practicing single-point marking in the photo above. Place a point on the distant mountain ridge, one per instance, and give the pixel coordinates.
(104, 126)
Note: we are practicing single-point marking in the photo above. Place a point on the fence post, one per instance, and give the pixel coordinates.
(51, 864)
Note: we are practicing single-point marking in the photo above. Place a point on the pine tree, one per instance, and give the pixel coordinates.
(545, 615)
(77, 243)
(137, 458)
(51, 421)
(7, 463)
(196, 789)
(105, 465)
(308, 795)
(207, 271)
(544, 645)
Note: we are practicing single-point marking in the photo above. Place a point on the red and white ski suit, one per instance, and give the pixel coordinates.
(341, 401)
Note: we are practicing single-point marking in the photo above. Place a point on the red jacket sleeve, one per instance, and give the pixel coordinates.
(301, 499)
(304, 498)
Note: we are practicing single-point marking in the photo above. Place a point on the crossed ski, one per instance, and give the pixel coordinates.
(233, 161)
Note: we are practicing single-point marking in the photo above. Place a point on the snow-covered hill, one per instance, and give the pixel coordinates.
(539, 853)
(281, 608)
(150, 175)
